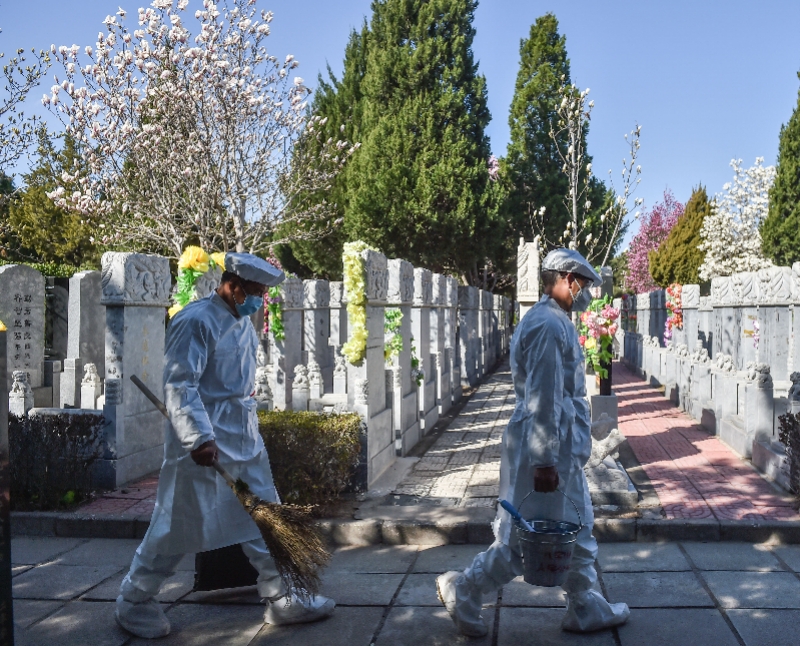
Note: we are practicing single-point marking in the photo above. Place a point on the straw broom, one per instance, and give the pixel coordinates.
(288, 530)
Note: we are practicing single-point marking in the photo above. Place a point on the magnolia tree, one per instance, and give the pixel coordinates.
(191, 138)
(17, 131)
(654, 227)
(730, 234)
(596, 238)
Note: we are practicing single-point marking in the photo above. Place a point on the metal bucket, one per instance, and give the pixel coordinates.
(547, 550)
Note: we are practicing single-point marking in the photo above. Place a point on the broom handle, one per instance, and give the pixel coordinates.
(163, 409)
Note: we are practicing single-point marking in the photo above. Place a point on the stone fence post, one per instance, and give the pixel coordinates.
(451, 338)
(528, 269)
(438, 347)
(421, 332)
(338, 336)
(285, 354)
(317, 328)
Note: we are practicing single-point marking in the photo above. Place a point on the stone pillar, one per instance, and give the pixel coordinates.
(22, 309)
(528, 269)
(317, 328)
(468, 314)
(338, 336)
(706, 325)
(287, 353)
(405, 412)
(451, 338)
(421, 332)
(71, 382)
(91, 387)
(136, 293)
(438, 347)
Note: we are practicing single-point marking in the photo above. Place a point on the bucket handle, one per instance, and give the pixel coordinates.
(580, 520)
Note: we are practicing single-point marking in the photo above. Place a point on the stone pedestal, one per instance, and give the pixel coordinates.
(601, 404)
(70, 391)
(91, 387)
(20, 395)
(136, 293)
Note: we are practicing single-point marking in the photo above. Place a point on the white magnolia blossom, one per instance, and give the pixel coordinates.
(730, 233)
(193, 137)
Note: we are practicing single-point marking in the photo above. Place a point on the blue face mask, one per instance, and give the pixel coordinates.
(581, 300)
(250, 306)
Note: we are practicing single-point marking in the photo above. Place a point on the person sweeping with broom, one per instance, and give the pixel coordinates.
(209, 375)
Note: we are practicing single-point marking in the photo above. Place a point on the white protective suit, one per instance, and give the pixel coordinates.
(209, 375)
(550, 426)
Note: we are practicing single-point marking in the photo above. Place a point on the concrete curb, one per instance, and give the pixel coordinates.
(431, 526)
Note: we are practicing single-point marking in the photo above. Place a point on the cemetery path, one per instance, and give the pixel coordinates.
(694, 474)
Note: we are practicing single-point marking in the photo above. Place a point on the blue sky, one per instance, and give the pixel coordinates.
(708, 81)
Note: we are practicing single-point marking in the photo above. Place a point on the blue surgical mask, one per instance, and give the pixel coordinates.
(250, 306)
(581, 300)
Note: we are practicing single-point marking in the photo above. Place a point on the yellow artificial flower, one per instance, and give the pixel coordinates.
(3, 327)
(590, 344)
(193, 258)
(219, 259)
(172, 311)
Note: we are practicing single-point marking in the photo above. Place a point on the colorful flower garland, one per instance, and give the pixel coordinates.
(193, 263)
(675, 308)
(355, 287)
(596, 334)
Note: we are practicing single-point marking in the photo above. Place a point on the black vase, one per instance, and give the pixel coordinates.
(605, 382)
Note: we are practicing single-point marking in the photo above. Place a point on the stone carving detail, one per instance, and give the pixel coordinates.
(439, 289)
(604, 447)
(682, 350)
(317, 294)
(690, 297)
(340, 365)
(377, 276)
(336, 290)
(452, 292)
(314, 378)
(300, 379)
(724, 363)
(361, 394)
(423, 287)
(775, 285)
(745, 287)
(401, 282)
(207, 283)
(700, 354)
(528, 264)
(135, 279)
(705, 304)
(261, 357)
(759, 373)
(263, 393)
(113, 392)
(90, 376)
(794, 391)
(20, 385)
(721, 292)
(20, 397)
(292, 291)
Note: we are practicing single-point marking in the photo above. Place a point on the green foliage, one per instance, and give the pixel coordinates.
(780, 232)
(678, 259)
(532, 164)
(37, 228)
(51, 458)
(313, 455)
(51, 268)
(392, 319)
(619, 265)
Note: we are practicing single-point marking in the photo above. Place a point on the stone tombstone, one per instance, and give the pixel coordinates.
(774, 318)
(438, 349)
(528, 271)
(451, 337)
(287, 353)
(22, 309)
(468, 314)
(86, 333)
(607, 286)
(136, 293)
(405, 413)
(56, 317)
(317, 328)
(421, 332)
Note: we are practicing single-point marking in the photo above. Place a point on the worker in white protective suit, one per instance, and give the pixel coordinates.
(209, 375)
(548, 441)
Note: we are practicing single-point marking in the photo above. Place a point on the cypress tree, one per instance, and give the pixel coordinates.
(532, 161)
(780, 232)
(678, 259)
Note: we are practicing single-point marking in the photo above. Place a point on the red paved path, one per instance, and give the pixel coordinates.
(136, 499)
(694, 474)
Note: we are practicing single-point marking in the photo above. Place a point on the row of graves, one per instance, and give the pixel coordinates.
(72, 346)
(731, 359)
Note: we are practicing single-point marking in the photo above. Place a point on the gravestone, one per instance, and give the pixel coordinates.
(22, 309)
(775, 322)
(421, 332)
(468, 340)
(56, 317)
(286, 353)
(317, 328)
(451, 338)
(528, 269)
(87, 317)
(136, 293)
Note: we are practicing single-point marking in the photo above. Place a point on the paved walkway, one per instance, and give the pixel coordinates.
(694, 474)
(681, 594)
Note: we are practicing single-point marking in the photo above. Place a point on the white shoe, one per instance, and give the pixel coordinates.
(588, 611)
(465, 615)
(145, 619)
(291, 609)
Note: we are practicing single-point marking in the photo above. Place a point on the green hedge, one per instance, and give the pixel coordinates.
(51, 458)
(314, 456)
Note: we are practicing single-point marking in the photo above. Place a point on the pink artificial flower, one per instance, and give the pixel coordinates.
(613, 329)
(581, 340)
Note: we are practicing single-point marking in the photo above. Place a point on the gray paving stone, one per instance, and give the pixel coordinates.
(732, 556)
(767, 627)
(754, 589)
(656, 589)
(676, 627)
(51, 581)
(79, 623)
(31, 550)
(410, 626)
(542, 626)
(27, 611)
(373, 559)
(519, 593)
(106, 551)
(173, 589)
(447, 557)
(790, 554)
(19, 569)
(204, 625)
(642, 557)
(349, 589)
(345, 627)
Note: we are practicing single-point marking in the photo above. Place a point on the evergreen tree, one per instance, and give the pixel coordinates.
(40, 230)
(532, 162)
(780, 233)
(678, 259)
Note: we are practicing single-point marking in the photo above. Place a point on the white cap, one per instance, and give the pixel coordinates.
(253, 268)
(572, 262)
